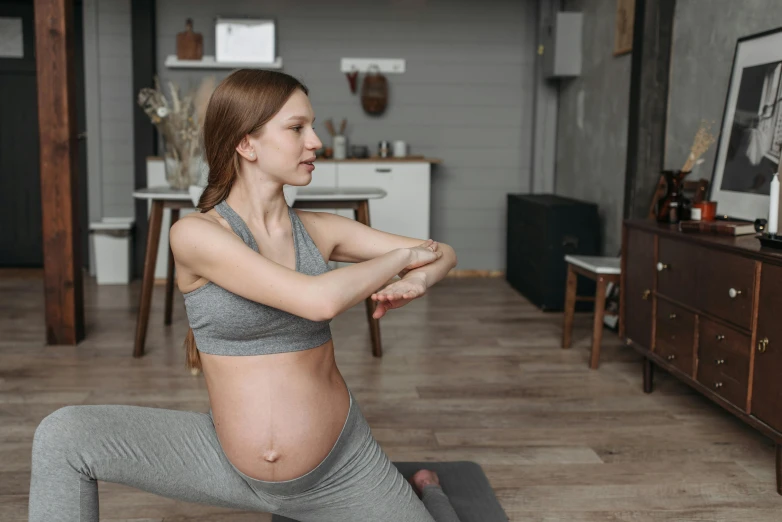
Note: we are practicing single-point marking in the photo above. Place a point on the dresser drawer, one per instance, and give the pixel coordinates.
(723, 350)
(675, 335)
(677, 265)
(730, 389)
(726, 286)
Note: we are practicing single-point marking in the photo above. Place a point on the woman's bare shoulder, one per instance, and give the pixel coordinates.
(192, 228)
(196, 233)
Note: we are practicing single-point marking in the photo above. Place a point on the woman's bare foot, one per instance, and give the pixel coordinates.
(423, 477)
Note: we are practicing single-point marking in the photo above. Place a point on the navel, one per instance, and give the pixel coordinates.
(271, 456)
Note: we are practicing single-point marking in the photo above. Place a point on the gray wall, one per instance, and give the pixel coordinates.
(109, 107)
(466, 96)
(704, 41)
(592, 122)
(593, 110)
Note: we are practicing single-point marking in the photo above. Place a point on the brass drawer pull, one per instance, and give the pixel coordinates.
(671, 357)
(662, 266)
(720, 337)
(719, 361)
(718, 385)
(672, 316)
(733, 293)
(646, 294)
(763, 344)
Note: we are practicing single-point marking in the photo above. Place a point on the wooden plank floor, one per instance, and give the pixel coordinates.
(472, 371)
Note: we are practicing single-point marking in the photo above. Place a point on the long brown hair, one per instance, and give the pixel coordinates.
(240, 105)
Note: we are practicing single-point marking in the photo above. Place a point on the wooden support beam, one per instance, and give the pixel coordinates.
(652, 37)
(144, 48)
(63, 283)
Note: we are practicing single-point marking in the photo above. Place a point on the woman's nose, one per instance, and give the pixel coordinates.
(314, 143)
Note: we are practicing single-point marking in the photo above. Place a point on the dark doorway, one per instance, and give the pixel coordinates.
(21, 237)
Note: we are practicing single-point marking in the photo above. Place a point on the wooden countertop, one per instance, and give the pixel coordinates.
(371, 159)
(377, 159)
(747, 244)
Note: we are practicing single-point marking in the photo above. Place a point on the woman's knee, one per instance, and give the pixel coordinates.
(62, 428)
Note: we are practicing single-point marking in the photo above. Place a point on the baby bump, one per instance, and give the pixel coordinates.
(282, 435)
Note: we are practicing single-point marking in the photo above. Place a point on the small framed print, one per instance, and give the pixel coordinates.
(623, 33)
(11, 38)
(245, 40)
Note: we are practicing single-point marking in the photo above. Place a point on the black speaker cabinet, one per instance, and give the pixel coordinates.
(542, 229)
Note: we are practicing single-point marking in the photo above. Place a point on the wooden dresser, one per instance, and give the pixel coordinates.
(708, 310)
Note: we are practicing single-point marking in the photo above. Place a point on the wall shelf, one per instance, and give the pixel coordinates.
(209, 62)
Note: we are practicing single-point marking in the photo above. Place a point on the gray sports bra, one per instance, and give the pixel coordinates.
(224, 323)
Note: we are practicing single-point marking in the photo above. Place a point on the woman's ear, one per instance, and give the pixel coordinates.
(246, 150)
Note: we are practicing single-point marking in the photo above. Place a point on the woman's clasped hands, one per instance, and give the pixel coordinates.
(413, 283)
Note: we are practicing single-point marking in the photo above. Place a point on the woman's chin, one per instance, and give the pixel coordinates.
(300, 179)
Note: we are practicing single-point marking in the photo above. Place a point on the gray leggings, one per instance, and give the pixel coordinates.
(176, 454)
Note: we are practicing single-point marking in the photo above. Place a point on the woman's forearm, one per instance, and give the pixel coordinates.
(352, 284)
(434, 272)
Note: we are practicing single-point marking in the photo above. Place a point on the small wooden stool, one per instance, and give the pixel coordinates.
(603, 270)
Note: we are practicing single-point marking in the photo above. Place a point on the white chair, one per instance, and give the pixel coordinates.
(602, 270)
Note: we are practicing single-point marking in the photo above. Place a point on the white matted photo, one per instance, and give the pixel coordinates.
(245, 40)
(751, 135)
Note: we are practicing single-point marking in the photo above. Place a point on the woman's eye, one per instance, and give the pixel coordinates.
(297, 129)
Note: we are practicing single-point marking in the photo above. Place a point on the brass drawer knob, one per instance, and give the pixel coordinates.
(718, 385)
(719, 361)
(733, 293)
(720, 337)
(763, 344)
(646, 294)
(671, 357)
(662, 266)
(672, 316)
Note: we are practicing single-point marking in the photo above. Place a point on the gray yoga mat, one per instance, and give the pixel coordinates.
(466, 485)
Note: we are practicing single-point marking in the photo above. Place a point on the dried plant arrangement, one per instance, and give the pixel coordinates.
(703, 140)
(179, 119)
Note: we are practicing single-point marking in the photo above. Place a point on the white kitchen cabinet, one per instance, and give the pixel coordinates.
(405, 210)
(325, 176)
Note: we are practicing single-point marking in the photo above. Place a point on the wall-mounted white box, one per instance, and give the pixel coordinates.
(362, 65)
(562, 47)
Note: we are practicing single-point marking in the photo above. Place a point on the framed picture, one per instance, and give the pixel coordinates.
(750, 141)
(245, 40)
(623, 33)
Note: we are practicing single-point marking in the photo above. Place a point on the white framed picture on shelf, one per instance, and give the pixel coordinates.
(748, 152)
(245, 40)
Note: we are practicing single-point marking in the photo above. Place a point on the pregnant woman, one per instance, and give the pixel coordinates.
(284, 433)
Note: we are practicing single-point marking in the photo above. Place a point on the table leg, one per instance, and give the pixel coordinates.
(362, 216)
(779, 468)
(648, 376)
(170, 273)
(153, 236)
(570, 306)
(597, 326)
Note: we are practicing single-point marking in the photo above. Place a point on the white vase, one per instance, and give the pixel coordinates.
(195, 193)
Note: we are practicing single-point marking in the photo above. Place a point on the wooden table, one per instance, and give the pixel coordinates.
(306, 198)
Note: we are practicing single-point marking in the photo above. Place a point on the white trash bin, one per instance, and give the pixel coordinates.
(111, 239)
